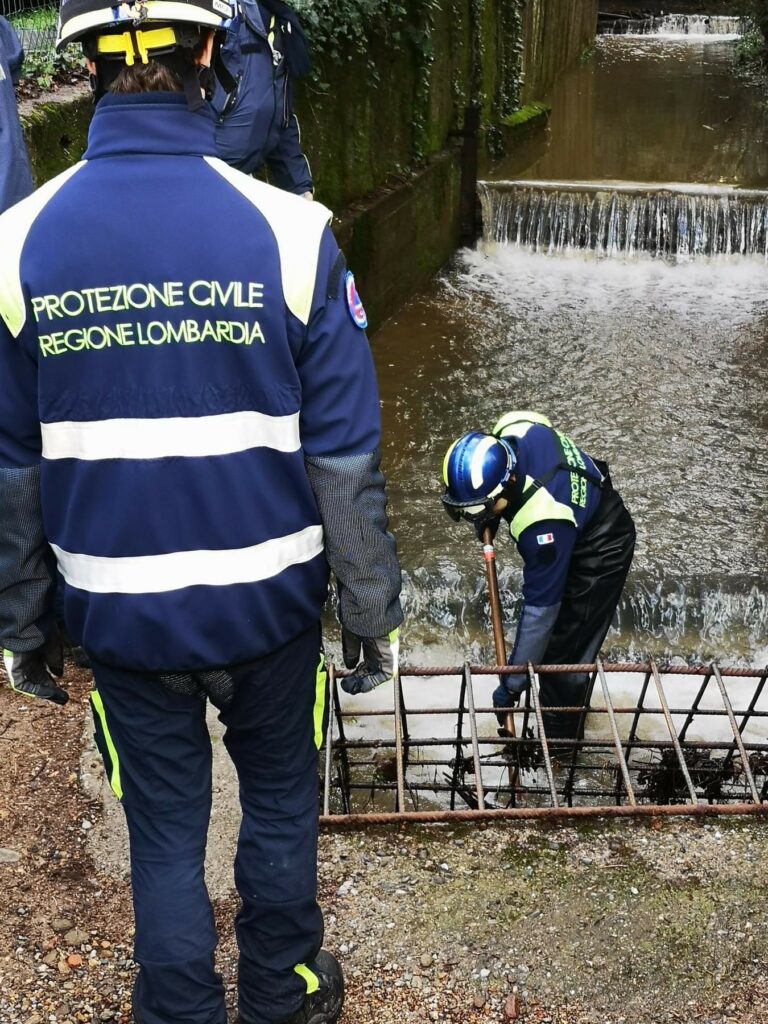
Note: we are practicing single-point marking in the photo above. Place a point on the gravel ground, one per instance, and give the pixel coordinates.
(607, 923)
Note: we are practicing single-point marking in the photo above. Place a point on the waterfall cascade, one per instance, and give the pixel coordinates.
(622, 219)
(674, 25)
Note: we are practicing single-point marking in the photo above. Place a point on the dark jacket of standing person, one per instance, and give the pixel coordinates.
(189, 430)
(253, 100)
(573, 533)
(15, 173)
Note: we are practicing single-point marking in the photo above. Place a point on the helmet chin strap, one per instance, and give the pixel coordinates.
(111, 52)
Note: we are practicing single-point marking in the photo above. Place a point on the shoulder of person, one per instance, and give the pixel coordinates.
(274, 203)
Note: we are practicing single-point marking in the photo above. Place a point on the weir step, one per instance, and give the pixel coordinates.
(673, 25)
(626, 218)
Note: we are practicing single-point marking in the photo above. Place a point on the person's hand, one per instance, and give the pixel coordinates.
(380, 657)
(217, 685)
(508, 693)
(308, 195)
(493, 525)
(34, 673)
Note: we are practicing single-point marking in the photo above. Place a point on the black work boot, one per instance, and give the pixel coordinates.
(323, 1006)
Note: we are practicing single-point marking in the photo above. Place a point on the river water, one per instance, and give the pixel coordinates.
(658, 365)
(600, 305)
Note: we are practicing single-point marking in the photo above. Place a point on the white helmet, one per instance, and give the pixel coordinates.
(79, 18)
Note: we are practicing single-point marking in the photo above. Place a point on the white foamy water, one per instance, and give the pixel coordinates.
(679, 27)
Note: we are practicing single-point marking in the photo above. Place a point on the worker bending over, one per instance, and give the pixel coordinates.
(575, 537)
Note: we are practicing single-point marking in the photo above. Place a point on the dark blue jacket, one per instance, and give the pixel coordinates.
(175, 340)
(546, 527)
(15, 173)
(255, 123)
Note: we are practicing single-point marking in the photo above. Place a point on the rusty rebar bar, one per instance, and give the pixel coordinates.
(568, 788)
(623, 766)
(673, 732)
(694, 709)
(399, 746)
(459, 741)
(512, 813)
(638, 711)
(499, 741)
(736, 733)
(570, 708)
(343, 743)
(475, 747)
(534, 688)
(746, 715)
(609, 667)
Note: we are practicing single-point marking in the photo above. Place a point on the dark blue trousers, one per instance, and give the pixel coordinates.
(157, 754)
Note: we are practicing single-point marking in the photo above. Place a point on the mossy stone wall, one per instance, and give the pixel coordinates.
(362, 124)
(56, 131)
(555, 34)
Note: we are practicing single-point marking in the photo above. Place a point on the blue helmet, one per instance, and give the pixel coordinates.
(476, 470)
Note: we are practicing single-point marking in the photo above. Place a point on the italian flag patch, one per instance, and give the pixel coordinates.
(546, 538)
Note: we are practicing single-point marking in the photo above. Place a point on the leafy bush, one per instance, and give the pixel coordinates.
(44, 67)
(754, 42)
(339, 29)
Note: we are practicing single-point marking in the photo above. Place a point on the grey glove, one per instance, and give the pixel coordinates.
(32, 672)
(380, 658)
(217, 685)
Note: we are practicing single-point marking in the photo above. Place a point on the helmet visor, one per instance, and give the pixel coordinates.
(472, 513)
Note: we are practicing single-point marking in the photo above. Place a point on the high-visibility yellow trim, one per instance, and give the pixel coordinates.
(518, 423)
(298, 227)
(538, 508)
(445, 461)
(15, 225)
(311, 979)
(114, 768)
(137, 43)
(319, 709)
(8, 663)
(394, 644)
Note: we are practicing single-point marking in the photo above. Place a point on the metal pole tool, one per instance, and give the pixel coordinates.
(489, 555)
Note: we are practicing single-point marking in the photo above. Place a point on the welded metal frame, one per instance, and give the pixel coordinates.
(623, 797)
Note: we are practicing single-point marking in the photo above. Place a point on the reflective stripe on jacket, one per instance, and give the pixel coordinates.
(175, 339)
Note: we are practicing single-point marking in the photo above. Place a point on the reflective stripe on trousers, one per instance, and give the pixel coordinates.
(165, 774)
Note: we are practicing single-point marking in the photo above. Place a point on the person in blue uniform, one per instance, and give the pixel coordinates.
(574, 534)
(15, 173)
(263, 52)
(189, 431)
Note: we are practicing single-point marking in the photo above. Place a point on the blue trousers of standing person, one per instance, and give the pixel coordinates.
(157, 754)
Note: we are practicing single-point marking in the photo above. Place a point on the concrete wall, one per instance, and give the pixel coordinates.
(555, 34)
(380, 124)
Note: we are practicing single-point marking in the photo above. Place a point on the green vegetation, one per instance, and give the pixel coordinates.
(42, 65)
(753, 46)
(39, 20)
(340, 29)
(530, 112)
(56, 135)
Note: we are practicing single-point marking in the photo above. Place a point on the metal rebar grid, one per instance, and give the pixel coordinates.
(694, 742)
